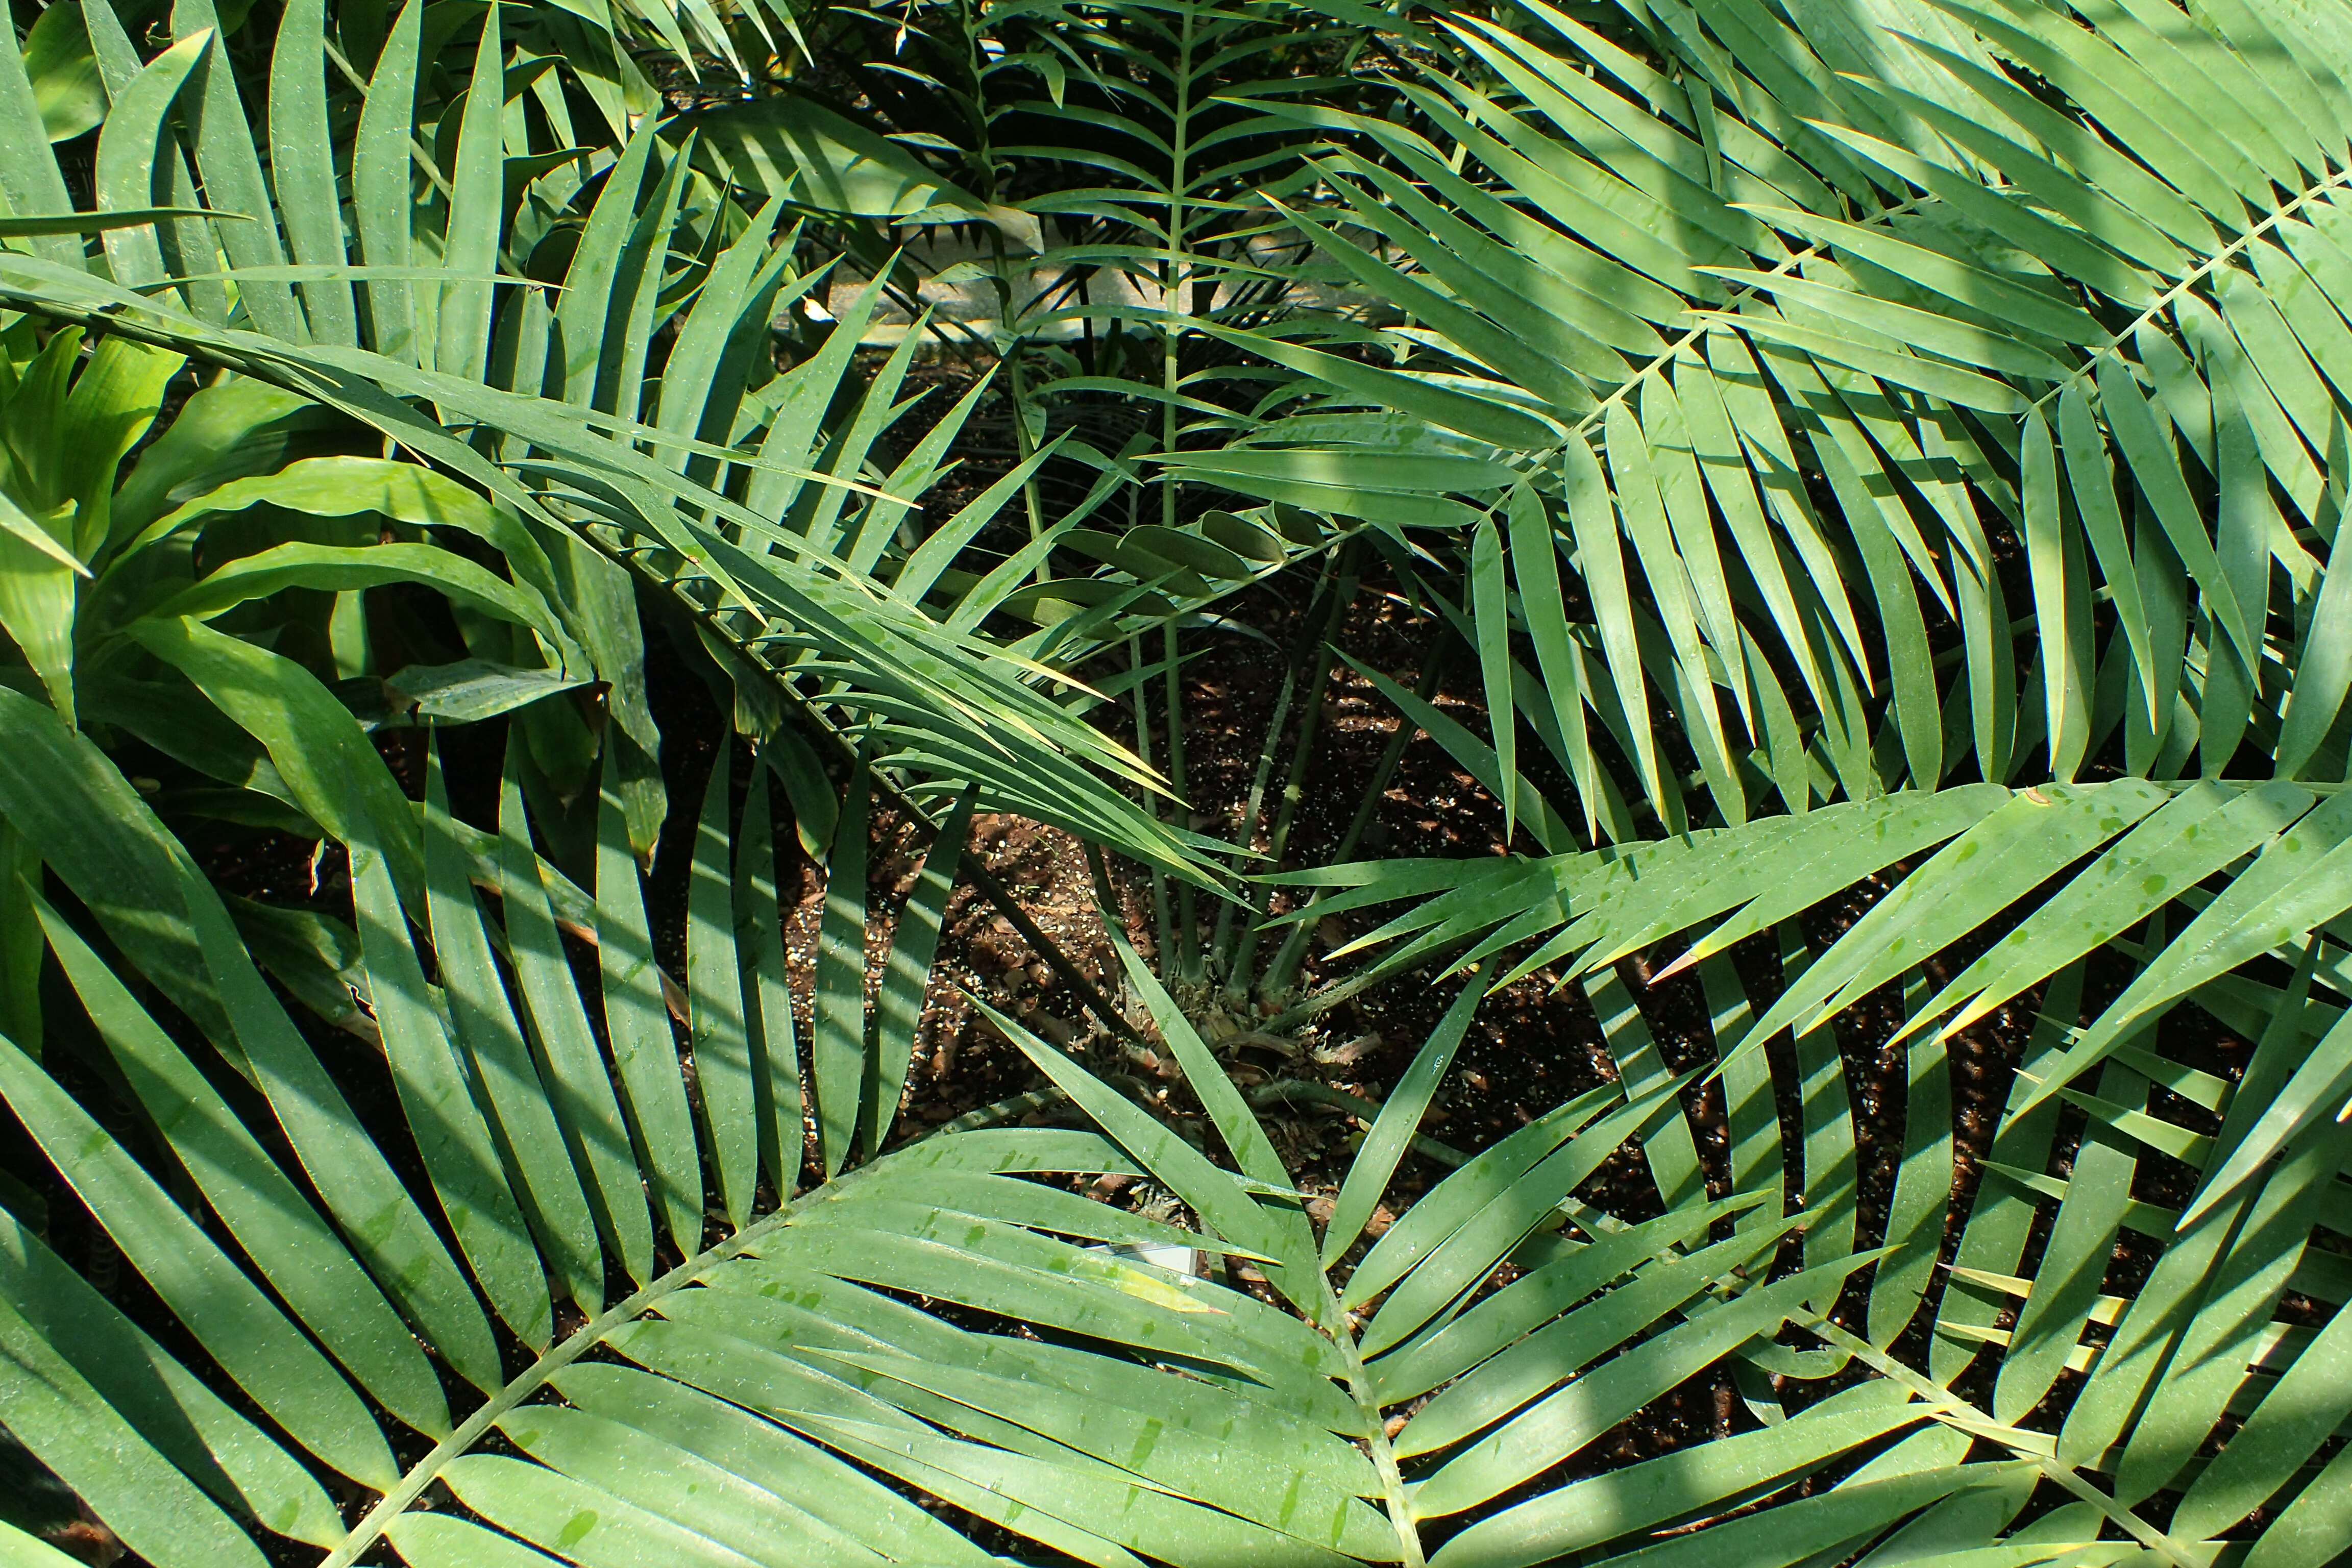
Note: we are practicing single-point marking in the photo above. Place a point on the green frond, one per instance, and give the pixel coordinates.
(1888, 454)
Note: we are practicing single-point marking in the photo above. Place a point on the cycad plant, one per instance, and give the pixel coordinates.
(1841, 353)
(1880, 458)
(548, 408)
(710, 1408)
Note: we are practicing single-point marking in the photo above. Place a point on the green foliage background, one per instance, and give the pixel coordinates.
(1856, 443)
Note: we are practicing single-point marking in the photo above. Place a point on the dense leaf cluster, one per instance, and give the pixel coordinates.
(1850, 446)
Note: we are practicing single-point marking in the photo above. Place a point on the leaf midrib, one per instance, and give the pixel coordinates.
(421, 1475)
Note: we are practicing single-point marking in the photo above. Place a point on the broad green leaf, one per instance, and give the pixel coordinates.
(128, 152)
(881, 1450)
(121, 389)
(350, 1171)
(583, 1521)
(1834, 847)
(2148, 1337)
(1923, 1188)
(228, 160)
(670, 1484)
(381, 186)
(794, 148)
(1484, 1235)
(2315, 1526)
(316, 747)
(1946, 276)
(838, 1053)
(437, 1095)
(705, 367)
(1235, 1470)
(1400, 1118)
(338, 569)
(231, 429)
(297, 1251)
(1558, 1351)
(1494, 629)
(2139, 113)
(37, 600)
(247, 1024)
(476, 199)
(2197, 832)
(263, 1354)
(1453, 1202)
(302, 166)
(2037, 833)
(132, 1489)
(482, 1019)
(2238, 1306)
(1138, 1517)
(721, 1038)
(2089, 471)
(1832, 1521)
(1600, 561)
(899, 1008)
(1535, 567)
(579, 1091)
(636, 305)
(469, 690)
(768, 991)
(2148, 453)
(741, 1442)
(1635, 471)
(213, 1445)
(1542, 355)
(2322, 667)
(347, 486)
(69, 802)
(1217, 1195)
(2073, 1262)
(581, 314)
(1563, 1423)
(29, 532)
(601, 600)
(1873, 353)
(2299, 881)
(637, 1027)
(1496, 423)
(445, 1541)
(1428, 1361)
(2297, 1413)
(1602, 1508)
(30, 180)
